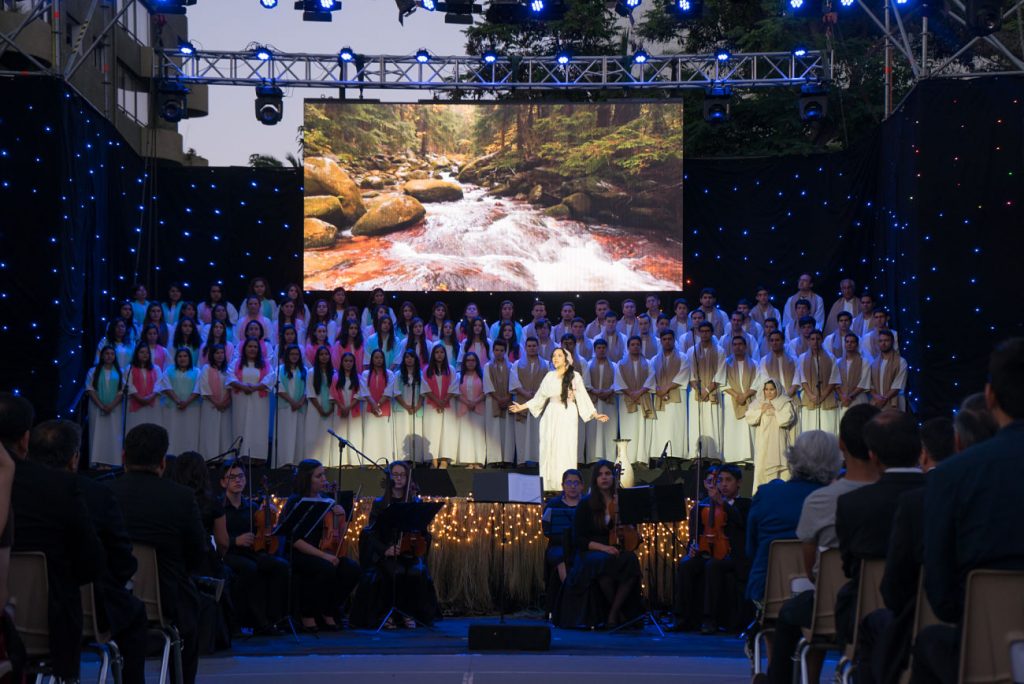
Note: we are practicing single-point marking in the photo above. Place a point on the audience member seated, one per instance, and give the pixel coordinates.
(556, 521)
(717, 554)
(57, 443)
(11, 433)
(816, 530)
(51, 517)
(814, 462)
(164, 514)
(971, 518)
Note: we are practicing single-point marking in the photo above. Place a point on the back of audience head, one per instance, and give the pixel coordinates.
(56, 443)
(815, 456)
(16, 416)
(973, 423)
(145, 448)
(893, 439)
(937, 442)
(1004, 392)
(851, 432)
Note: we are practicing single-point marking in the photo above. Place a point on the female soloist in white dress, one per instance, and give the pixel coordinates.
(559, 422)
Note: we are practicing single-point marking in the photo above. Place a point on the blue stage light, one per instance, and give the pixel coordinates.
(640, 57)
(537, 6)
(489, 57)
(429, 5)
(422, 56)
(269, 4)
(563, 57)
(346, 55)
(263, 54)
(800, 51)
(186, 49)
(327, 4)
(723, 55)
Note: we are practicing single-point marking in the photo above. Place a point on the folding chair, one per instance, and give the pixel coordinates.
(785, 563)
(869, 599)
(146, 587)
(96, 640)
(993, 627)
(822, 634)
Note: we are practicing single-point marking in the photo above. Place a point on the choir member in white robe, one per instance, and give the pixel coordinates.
(671, 375)
(770, 415)
(216, 297)
(795, 326)
(539, 312)
(377, 298)
(628, 325)
(117, 337)
(835, 343)
(545, 345)
(216, 432)
(251, 380)
(580, 366)
(707, 375)
(778, 365)
(634, 382)
(869, 340)
(290, 420)
(558, 420)
(530, 371)
(346, 391)
(690, 338)
(649, 344)
(142, 379)
(377, 387)
(408, 409)
(595, 326)
(508, 313)
(386, 341)
(740, 377)
(712, 314)
(847, 302)
(888, 375)
(440, 421)
(615, 340)
(564, 326)
(103, 387)
(181, 404)
(500, 385)
(763, 309)
(734, 328)
(818, 376)
(599, 379)
(471, 409)
(805, 290)
(854, 376)
(864, 320)
(751, 326)
(584, 345)
(252, 313)
(680, 322)
(320, 411)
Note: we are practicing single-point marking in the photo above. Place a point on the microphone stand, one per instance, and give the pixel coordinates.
(345, 443)
(277, 414)
(817, 378)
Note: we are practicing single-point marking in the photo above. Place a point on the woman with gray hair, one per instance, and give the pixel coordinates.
(814, 462)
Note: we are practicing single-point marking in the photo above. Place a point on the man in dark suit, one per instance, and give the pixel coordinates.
(56, 444)
(970, 522)
(864, 517)
(52, 518)
(164, 515)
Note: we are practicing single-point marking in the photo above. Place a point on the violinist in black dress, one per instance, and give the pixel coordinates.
(394, 562)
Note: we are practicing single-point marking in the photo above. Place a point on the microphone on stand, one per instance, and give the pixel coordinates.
(335, 435)
(664, 454)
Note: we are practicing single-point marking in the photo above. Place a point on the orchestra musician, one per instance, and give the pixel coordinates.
(603, 586)
(253, 554)
(556, 521)
(325, 577)
(717, 549)
(395, 562)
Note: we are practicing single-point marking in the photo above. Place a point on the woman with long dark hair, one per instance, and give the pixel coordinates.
(472, 419)
(392, 567)
(259, 288)
(256, 331)
(217, 297)
(324, 579)
(172, 307)
(350, 340)
(288, 314)
(289, 439)
(186, 336)
(181, 403)
(439, 314)
(406, 315)
(251, 380)
(384, 339)
(119, 339)
(377, 387)
(603, 586)
(320, 410)
(563, 401)
(416, 341)
(476, 340)
(141, 379)
(158, 353)
(408, 408)
(440, 422)
(155, 317)
(346, 392)
(220, 313)
(217, 336)
(215, 429)
(103, 386)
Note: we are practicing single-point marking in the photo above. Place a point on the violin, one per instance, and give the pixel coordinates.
(333, 540)
(622, 537)
(712, 542)
(412, 543)
(264, 521)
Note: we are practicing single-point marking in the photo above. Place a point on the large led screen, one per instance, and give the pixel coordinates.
(494, 196)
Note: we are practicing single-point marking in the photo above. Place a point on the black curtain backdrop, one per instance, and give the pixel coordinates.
(926, 214)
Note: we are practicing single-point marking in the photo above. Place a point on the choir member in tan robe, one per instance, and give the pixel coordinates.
(530, 371)
(500, 382)
(864, 322)
(818, 376)
(634, 383)
(671, 373)
(613, 338)
(740, 376)
(770, 415)
(847, 302)
(835, 344)
(779, 366)
(649, 344)
(600, 383)
(805, 290)
(854, 376)
(869, 340)
(763, 309)
(888, 374)
(595, 326)
(707, 375)
(712, 314)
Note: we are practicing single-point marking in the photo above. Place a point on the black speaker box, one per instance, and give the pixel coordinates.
(509, 638)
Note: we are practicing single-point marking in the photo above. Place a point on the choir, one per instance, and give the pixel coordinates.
(736, 387)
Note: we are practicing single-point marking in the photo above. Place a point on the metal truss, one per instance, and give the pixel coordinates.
(747, 70)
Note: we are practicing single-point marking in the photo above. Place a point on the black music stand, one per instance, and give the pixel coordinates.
(398, 518)
(296, 524)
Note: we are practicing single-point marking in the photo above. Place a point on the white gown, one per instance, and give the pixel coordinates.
(290, 439)
(770, 438)
(408, 427)
(559, 425)
(182, 425)
(215, 429)
(706, 416)
(378, 436)
(737, 439)
(143, 414)
(250, 413)
(635, 426)
(350, 427)
(104, 430)
(669, 424)
(501, 430)
(473, 437)
(601, 436)
(316, 443)
(441, 429)
(527, 430)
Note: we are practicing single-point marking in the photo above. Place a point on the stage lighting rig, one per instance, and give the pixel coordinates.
(641, 57)
(459, 11)
(684, 10)
(717, 104)
(813, 102)
(422, 56)
(624, 8)
(264, 54)
(722, 55)
(268, 4)
(489, 57)
(167, 6)
(563, 57)
(405, 8)
(269, 104)
(801, 8)
(317, 10)
(186, 49)
(172, 100)
(524, 11)
(984, 16)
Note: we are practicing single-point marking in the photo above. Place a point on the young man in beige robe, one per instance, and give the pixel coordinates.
(707, 375)
(634, 383)
(600, 383)
(847, 302)
(530, 370)
(818, 376)
(671, 374)
(740, 390)
(854, 376)
(500, 382)
(888, 374)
